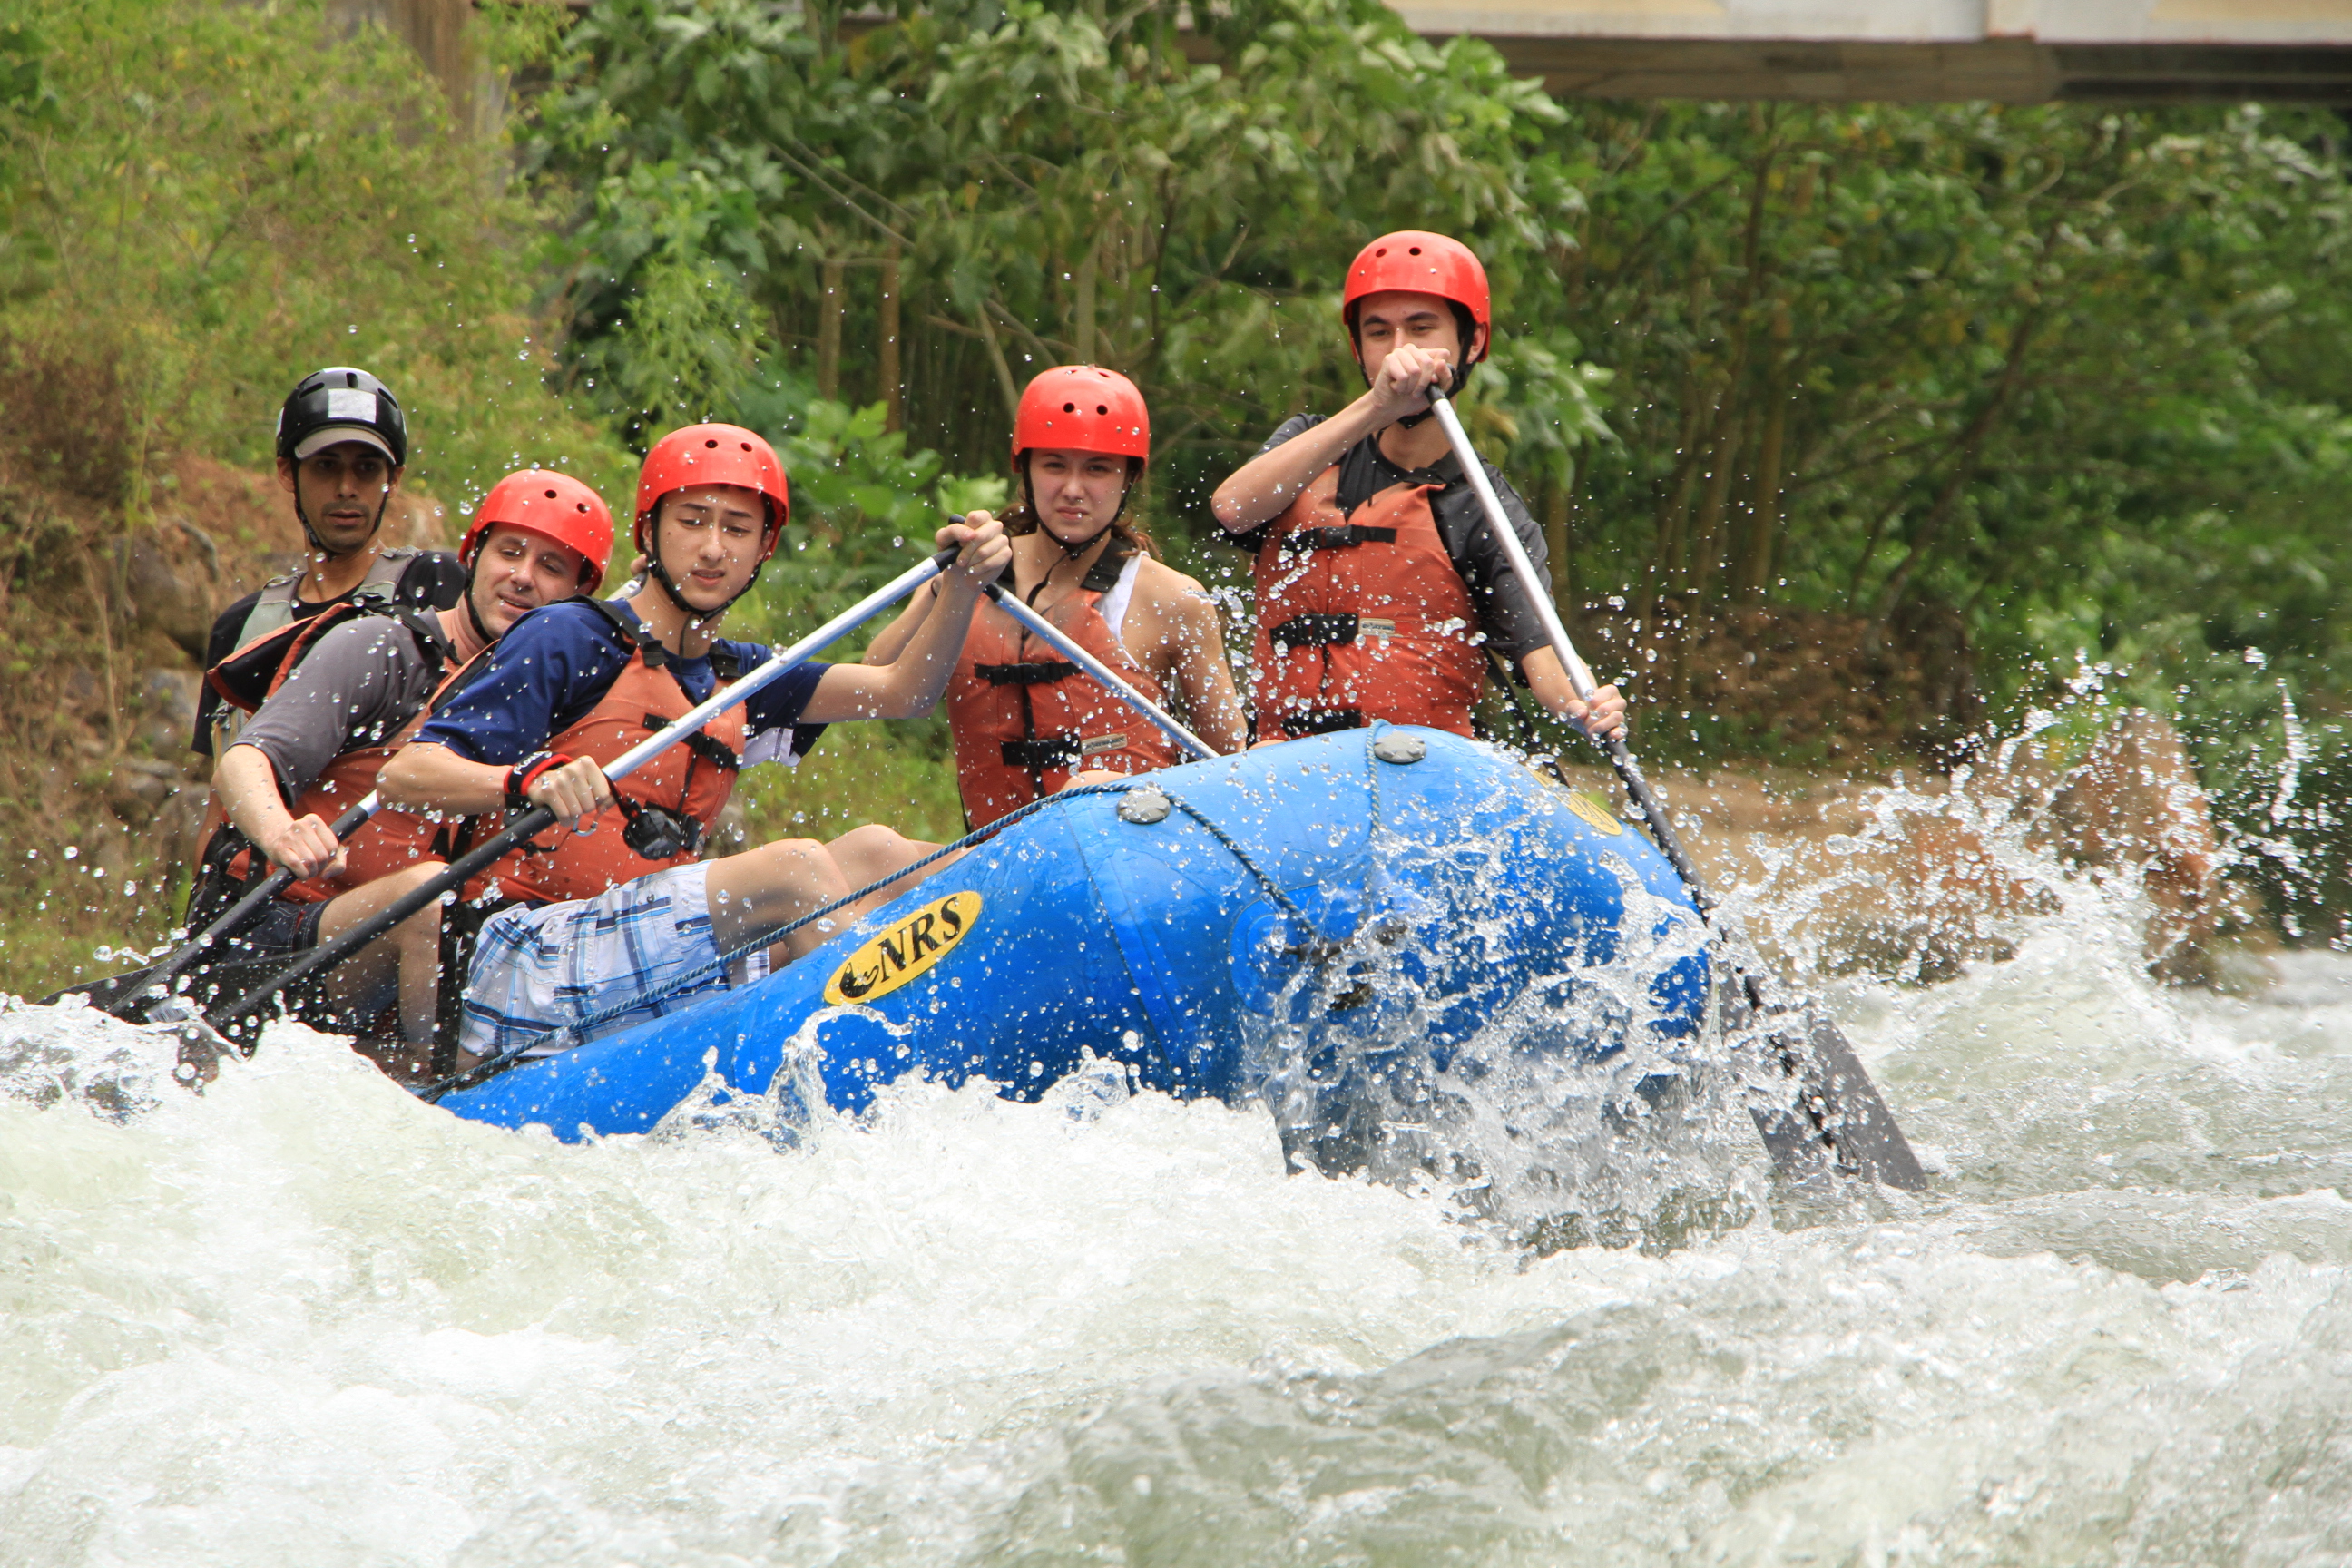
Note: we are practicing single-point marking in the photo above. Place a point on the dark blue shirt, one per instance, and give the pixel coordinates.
(557, 662)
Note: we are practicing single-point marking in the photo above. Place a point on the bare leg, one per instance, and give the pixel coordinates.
(766, 887)
(411, 952)
(868, 854)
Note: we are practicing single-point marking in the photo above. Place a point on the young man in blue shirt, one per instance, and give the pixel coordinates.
(572, 685)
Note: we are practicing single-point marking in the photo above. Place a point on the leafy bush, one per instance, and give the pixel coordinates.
(205, 202)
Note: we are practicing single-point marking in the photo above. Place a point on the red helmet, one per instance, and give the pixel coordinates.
(1422, 263)
(714, 455)
(1082, 409)
(553, 506)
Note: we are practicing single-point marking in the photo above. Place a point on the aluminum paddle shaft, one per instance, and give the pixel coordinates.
(637, 756)
(1580, 674)
(1067, 647)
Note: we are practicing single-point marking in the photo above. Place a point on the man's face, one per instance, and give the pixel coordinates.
(343, 490)
(518, 572)
(1385, 320)
(708, 540)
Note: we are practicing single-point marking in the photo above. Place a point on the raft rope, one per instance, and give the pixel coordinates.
(484, 1070)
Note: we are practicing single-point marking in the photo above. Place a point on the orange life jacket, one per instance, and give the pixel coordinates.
(1024, 720)
(1361, 618)
(390, 840)
(694, 778)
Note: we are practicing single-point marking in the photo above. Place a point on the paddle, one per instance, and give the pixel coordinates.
(1838, 1109)
(132, 995)
(1038, 626)
(538, 818)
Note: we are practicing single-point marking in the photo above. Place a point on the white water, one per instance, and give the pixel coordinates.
(305, 1320)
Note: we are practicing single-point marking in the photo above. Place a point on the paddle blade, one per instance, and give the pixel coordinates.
(1837, 1120)
(131, 998)
(120, 995)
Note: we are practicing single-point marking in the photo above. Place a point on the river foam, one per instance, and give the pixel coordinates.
(305, 1319)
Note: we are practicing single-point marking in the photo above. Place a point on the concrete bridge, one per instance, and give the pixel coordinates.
(2009, 51)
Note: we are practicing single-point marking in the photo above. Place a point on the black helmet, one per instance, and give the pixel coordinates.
(340, 399)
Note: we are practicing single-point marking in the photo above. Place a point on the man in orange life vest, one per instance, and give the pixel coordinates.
(1377, 576)
(331, 697)
(1027, 722)
(618, 903)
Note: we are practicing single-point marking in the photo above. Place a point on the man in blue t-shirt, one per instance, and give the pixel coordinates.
(571, 686)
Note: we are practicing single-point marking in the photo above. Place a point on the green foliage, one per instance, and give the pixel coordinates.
(864, 508)
(1184, 223)
(206, 202)
(2052, 370)
(2031, 381)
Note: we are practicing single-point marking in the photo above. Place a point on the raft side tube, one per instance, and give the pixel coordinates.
(1164, 946)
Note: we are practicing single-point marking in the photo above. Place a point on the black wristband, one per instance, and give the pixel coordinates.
(526, 773)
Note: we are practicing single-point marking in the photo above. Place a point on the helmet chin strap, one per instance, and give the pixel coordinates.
(473, 614)
(694, 618)
(302, 516)
(1070, 551)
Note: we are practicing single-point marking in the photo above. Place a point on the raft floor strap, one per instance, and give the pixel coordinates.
(491, 1069)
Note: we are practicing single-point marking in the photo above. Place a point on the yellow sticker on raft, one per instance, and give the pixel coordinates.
(910, 946)
(1593, 812)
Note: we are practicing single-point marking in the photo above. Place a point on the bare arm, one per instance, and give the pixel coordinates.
(1262, 488)
(423, 776)
(910, 686)
(247, 786)
(893, 640)
(1603, 721)
(1203, 677)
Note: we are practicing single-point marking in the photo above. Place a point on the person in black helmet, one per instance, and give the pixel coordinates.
(342, 442)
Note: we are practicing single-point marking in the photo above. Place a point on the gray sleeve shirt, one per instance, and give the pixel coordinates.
(363, 682)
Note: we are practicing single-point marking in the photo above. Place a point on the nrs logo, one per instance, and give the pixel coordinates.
(1593, 812)
(910, 946)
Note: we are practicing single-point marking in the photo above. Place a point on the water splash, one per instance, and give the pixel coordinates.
(304, 1318)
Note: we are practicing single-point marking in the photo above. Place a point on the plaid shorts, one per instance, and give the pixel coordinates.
(538, 968)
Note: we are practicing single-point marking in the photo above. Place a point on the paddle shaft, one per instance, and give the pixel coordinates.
(538, 818)
(233, 919)
(1038, 626)
(1580, 674)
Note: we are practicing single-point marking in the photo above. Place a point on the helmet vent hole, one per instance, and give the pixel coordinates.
(1383, 250)
(550, 494)
(1415, 252)
(1069, 408)
(1102, 408)
(713, 443)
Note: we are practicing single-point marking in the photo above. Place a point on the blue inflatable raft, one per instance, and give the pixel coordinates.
(1228, 928)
